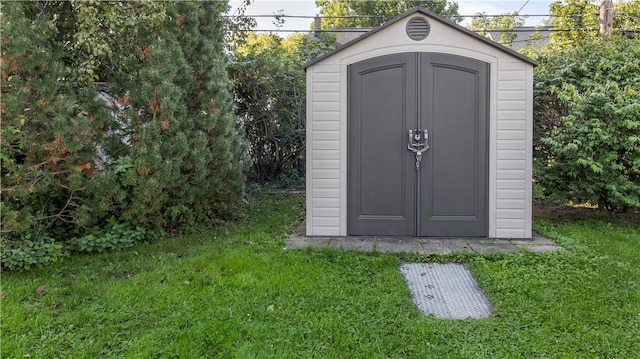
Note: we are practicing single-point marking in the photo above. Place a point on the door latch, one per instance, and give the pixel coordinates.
(418, 143)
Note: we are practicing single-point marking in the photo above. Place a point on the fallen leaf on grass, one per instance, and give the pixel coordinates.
(42, 290)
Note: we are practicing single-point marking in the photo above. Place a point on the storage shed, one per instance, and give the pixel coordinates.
(419, 128)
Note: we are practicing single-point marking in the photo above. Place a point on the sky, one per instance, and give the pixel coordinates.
(308, 8)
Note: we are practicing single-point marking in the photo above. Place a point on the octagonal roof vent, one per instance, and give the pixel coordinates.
(418, 28)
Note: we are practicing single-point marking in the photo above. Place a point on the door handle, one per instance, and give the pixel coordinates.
(426, 139)
(418, 143)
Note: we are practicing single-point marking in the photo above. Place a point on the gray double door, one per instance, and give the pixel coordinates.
(406, 103)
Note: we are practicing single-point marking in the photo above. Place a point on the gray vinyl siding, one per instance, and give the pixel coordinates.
(513, 154)
(510, 142)
(323, 151)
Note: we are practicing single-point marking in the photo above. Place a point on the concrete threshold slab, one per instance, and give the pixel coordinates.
(301, 242)
(492, 247)
(446, 291)
(425, 246)
(541, 248)
(357, 244)
(445, 246)
(403, 245)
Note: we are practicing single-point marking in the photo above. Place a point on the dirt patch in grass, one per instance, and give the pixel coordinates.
(562, 213)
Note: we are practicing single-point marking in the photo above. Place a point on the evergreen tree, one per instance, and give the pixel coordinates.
(127, 121)
(186, 164)
(217, 170)
(47, 134)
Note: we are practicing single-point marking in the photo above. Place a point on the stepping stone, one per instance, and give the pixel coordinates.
(446, 291)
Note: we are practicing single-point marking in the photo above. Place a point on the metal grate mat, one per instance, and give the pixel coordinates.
(446, 291)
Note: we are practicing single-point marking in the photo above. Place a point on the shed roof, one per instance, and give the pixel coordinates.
(429, 13)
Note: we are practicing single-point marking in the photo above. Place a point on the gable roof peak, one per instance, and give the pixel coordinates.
(430, 14)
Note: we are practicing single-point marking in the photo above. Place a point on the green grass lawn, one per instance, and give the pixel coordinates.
(236, 293)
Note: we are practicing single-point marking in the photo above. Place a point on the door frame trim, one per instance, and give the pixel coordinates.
(344, 62)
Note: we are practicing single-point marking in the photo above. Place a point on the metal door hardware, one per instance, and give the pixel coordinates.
(418, 143)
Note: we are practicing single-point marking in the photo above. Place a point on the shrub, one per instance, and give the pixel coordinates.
(115, 110)
(115, 236)
(269, 86)
(30, 253)
(587, 124)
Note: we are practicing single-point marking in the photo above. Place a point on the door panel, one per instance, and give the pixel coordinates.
(382, 100)
(454, 178)
(390, 95)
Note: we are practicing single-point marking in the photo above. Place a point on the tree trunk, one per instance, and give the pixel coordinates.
(606, 17)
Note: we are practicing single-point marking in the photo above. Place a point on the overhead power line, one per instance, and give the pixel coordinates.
(632, 16)
(367, 30)
(522, 7)
(381, 16)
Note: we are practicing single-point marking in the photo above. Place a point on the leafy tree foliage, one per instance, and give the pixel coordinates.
(484, 24)
(587, 118)
(86, 29)
(269, 85)
(370, 14)
(238, 26)
(579, 21)
(115, 111)
(626, 20)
